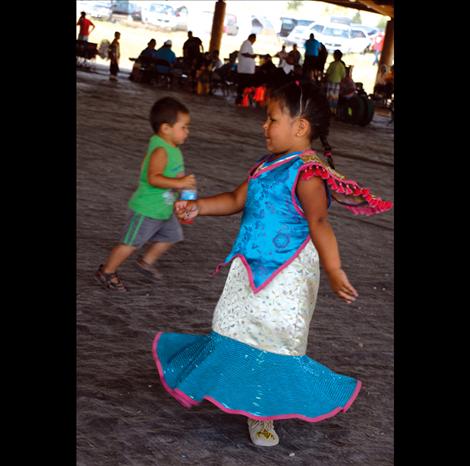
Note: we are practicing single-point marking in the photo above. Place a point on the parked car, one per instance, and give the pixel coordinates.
(348, 39)
(371, 33)
(297, 36)
(301, 33)
(181, 22)
(341, 20)
(159, 14)
(359, 41)
(136, 10)
(97, 10)
(201, 24)
(230, 25)
(335, 36)
(125, 10)
(261, 26)
(289, 24)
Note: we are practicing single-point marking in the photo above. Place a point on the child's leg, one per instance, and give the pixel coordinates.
(168, 233)
(136, 232)
(118, 255)
(155, 251)
(106, 274)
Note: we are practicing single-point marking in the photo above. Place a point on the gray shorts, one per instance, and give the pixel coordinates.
(140, 230)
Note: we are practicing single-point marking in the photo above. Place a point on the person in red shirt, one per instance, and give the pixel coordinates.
(85, 25)
(377, 47)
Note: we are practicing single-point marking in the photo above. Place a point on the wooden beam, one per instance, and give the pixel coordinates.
(364, 5)
(386, 10)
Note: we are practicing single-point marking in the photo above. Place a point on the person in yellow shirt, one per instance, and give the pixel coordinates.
(334, 75)
(114, 54)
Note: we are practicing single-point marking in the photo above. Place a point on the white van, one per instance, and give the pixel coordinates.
(200, 24)
(359, 41)
(348, 39)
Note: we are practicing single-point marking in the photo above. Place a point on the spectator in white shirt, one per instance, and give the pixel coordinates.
(246, 66)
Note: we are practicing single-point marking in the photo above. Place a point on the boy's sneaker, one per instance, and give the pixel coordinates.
(262, 433)
(110, 280)
(148, 269)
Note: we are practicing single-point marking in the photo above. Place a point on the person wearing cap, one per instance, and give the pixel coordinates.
(85, 25)
(165, 53)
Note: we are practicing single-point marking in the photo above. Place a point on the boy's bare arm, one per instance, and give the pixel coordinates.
(157, 164)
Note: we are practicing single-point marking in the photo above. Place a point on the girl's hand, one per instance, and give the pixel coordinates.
(186, 210)
(340, 285)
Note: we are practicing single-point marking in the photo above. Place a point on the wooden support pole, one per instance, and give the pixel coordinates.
(386, 57)
(217, 25)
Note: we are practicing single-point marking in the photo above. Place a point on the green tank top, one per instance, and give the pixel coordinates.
(149, 200)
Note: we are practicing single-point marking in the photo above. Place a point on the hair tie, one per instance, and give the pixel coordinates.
(297, 82)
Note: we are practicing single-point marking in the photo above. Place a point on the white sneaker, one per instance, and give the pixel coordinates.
(262, 433)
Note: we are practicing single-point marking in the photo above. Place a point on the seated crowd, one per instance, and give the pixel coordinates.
(204, 72)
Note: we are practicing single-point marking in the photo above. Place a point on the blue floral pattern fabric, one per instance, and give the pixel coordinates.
(272, 230)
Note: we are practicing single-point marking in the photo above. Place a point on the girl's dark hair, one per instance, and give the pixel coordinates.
(166, 111)
(307, 100)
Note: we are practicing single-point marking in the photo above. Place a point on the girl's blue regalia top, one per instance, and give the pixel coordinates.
(273, 228)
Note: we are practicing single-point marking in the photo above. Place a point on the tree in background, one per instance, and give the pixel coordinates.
(357, 18)
(382, 23)
(294, 5)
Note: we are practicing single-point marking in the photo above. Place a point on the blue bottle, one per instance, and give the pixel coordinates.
(188, 195)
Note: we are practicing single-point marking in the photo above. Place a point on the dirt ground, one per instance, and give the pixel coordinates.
(124, 416)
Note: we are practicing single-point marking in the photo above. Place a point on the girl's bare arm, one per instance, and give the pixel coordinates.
(222, 204)
(312, 196)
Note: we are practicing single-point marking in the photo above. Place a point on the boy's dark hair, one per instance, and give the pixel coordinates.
(166, 111)
(306, 100)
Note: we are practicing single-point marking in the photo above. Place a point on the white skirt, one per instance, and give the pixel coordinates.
(277, 318)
